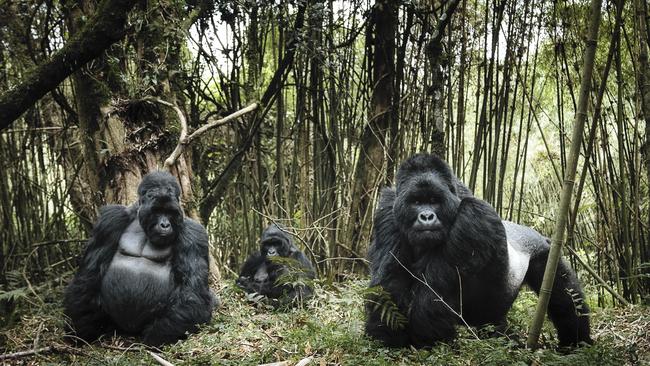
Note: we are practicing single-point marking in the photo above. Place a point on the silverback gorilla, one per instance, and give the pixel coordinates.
(469, 259)
(261, 271)
(145, 270)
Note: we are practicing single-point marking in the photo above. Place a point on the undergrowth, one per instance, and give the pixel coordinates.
(329, 329)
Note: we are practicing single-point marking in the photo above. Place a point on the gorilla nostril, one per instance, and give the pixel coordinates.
(165, 225)
(427, 217)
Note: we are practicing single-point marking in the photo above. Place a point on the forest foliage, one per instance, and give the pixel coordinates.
(343, 91)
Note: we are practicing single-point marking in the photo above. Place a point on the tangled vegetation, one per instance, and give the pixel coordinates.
(329, 331)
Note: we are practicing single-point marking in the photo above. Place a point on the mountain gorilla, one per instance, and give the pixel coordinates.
(278, 257)
(464, 257)
(145, 270)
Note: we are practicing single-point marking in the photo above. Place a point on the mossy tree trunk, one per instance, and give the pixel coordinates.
(120, 136)
(370, 165)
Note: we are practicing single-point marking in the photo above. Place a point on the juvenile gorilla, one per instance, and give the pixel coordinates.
(145, 270)
(261, 271)
(470, 260)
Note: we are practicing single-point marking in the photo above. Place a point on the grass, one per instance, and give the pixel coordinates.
(329, 328)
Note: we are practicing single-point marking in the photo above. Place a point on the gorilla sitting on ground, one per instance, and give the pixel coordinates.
(464, 257)
(279, 270)
(145, 270)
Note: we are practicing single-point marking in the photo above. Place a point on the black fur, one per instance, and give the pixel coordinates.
(260, 272)
(187, 300)
(458, 250)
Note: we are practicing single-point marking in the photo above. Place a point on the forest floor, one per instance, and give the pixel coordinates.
(328, 330)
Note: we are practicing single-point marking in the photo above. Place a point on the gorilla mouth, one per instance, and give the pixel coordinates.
(428, 229)
(161, 237)
(426, 236)
(159, 232)
(428, 232)
(417, 227)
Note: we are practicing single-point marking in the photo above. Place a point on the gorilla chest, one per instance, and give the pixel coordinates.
(138, 281)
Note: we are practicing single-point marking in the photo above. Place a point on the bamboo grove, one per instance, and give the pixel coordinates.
(346, 90)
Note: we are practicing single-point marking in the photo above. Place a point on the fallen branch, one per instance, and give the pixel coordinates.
(12, 356)
(159, 359)
(281, 363)
(305, 361)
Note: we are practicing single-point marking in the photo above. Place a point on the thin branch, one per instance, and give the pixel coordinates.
(222, 121)
(183, 122)
(359, 259)
(425, 283)
(599, 279)
(185, 140)
(58, 241)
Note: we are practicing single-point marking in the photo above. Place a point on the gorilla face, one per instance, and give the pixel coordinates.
(160, 213)
(425, 203)
(275, 243)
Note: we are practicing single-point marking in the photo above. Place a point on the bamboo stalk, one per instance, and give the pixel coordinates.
(570, 172)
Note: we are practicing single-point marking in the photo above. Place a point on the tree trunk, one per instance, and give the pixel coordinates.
(102, 30)
(370, 164)
(643, 78)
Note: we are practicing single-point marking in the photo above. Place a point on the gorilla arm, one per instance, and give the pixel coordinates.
(387, 274)
(476, 237)
(191, 302)
(82, 297)
(249, 272)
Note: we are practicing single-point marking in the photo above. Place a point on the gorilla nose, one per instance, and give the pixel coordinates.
(427, 217)
(272, 252)
(165, 225)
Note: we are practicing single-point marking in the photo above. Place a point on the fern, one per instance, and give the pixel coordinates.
(379, 300)
(293, 275)
(15, 281)
(13, 295)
